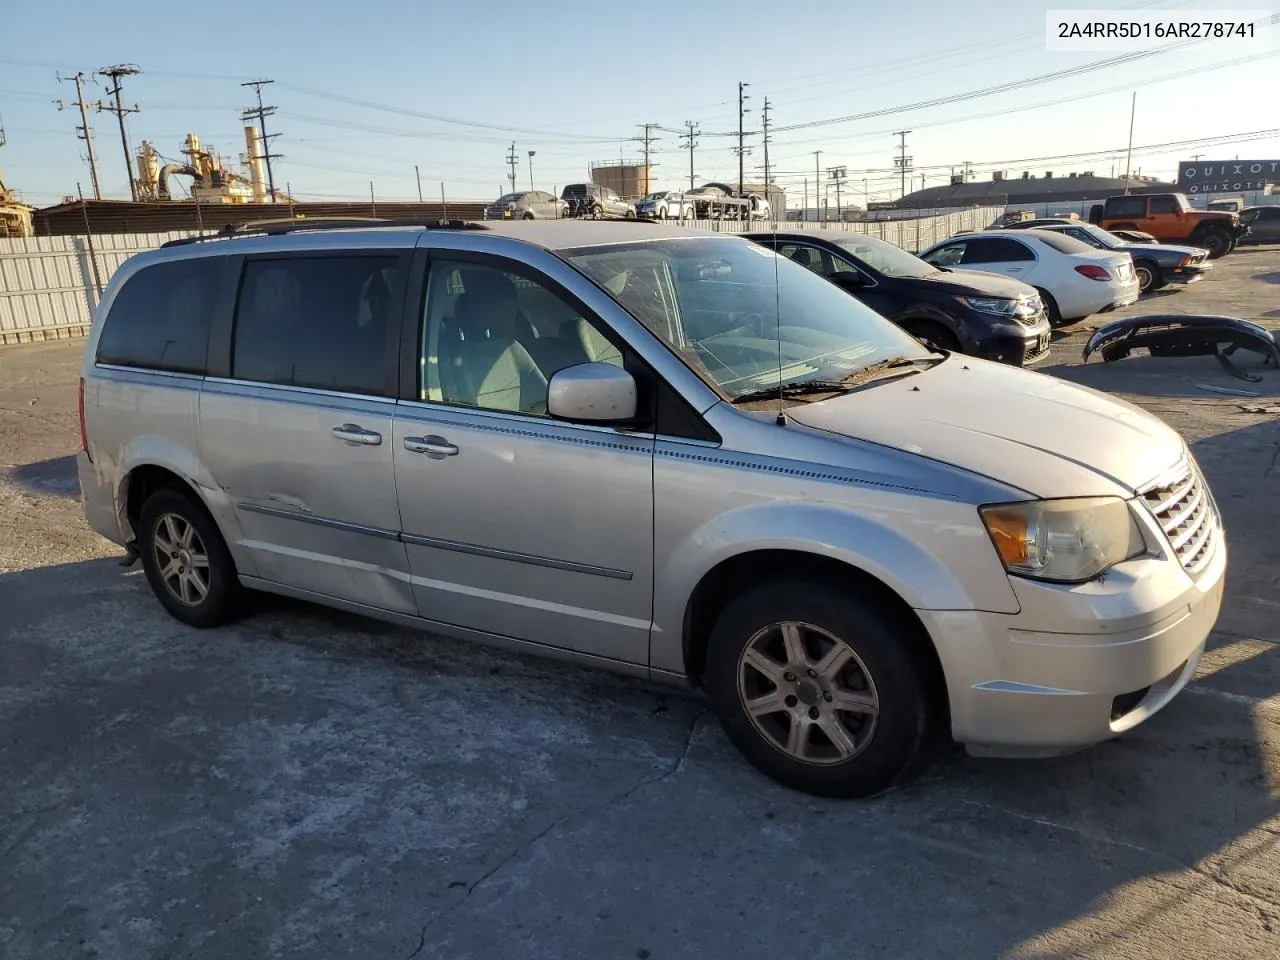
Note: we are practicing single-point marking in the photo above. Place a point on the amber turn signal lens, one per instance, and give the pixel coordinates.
(1008, 530)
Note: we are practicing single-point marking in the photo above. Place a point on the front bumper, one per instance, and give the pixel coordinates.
(1014, 343)
(1186, 274)
(1079, 664)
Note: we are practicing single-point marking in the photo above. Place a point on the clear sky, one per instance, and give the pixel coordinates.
(574, 81)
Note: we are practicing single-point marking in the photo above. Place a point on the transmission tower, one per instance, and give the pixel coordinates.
(647, 139)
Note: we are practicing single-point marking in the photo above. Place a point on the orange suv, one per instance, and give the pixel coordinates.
(1170, 219)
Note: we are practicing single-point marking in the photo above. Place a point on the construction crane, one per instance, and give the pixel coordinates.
(15, 217)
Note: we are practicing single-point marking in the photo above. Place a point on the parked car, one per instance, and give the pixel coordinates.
(665, 204)
(1132, 236)
(1074, 279)
(594, 201)
(1036, 224)
(1229, 205)
(1170, 218)
(672, 454)
(526, 205)
(1262, 224)
(965, 312)
(1156, 265)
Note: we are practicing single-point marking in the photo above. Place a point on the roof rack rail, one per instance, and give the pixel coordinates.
(274, 228)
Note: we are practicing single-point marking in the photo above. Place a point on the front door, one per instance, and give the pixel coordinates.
(516, 524)
(299, 436)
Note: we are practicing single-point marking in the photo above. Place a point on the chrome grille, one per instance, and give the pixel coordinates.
(1183, 507)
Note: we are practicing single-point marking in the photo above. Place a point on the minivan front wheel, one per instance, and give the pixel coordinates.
(816, 687)
(186, 560)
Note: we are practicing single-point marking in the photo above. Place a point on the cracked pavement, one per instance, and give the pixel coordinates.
(311, 784)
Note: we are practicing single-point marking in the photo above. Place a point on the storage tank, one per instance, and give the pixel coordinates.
(255, 156)
(629, 180)
(148, 169)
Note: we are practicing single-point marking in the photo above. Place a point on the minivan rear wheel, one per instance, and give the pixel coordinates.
(817, 688)
(186, 560)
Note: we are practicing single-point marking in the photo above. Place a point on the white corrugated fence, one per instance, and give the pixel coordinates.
(49, 286)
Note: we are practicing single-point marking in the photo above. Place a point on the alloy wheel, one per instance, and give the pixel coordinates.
(808, 693)
(181, 559)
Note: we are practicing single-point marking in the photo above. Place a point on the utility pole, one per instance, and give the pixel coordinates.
(903, 161)
(648, 139)
(742, 109)
(116, 73)
(532, 154)
(85, 132)
(1128, 156)
(260, 114)
(512, 161)
(764, 125)
(693, 132)
(817, 179)
(418, 175)
(837, 174)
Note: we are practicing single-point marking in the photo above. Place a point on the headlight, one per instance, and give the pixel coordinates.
(997, 306)
(1064, 540)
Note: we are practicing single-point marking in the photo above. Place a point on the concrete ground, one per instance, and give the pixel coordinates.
(309, 784)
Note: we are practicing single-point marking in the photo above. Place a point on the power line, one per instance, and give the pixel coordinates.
(84, 131)
(264, 139)
(1005, 87)
(117, 74)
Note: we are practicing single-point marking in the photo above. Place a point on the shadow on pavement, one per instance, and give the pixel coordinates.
(56, 477)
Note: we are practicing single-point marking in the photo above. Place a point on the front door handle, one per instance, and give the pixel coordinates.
(437, 448)
(354, 433)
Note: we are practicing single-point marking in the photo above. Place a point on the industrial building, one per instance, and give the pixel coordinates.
(1071, 192)
(626, 178)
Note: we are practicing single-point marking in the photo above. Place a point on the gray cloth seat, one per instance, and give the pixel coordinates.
(487, 366)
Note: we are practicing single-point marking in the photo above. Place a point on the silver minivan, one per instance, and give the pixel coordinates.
(659, 451)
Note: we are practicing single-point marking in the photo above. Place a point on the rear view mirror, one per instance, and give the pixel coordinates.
(592, 393)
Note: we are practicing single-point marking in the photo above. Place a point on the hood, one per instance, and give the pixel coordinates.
(1040, 434)
(965, 282)
(1182, 251)
(1214, 215)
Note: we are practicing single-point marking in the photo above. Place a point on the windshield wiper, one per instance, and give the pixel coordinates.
(855, 379)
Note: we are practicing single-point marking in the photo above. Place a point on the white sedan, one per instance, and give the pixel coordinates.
(1073, 278)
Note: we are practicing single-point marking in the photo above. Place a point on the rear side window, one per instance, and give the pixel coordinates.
(1127, 207)
(160, 317)
(995, 250)
(316, 322)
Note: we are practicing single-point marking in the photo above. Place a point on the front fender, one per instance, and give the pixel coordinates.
(934, 554)
(924, 311)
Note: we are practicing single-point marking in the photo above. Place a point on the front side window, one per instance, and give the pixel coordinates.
(316, 322)
(995, 250)
(493, 339)
(1084, 236)
(947, 255)
(808, 257)
(1165, 205)
(741, 316)
(160, 318)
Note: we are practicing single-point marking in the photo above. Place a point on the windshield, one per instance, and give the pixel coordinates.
(510, 198)
(887, 259)
(654, 196)
(741, 316)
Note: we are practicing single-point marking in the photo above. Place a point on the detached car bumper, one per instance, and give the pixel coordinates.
(1080, 663)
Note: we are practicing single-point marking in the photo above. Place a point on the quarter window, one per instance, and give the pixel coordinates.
(160, 317)
(493, 339)
(316, 322)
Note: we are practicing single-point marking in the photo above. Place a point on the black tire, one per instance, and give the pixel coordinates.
(528, 215)
(881, 745)
(933, 335)
(597, 213)
(631, 214)
(1148, 275)
(223, 597)
(1217, 242)
(1051, 310)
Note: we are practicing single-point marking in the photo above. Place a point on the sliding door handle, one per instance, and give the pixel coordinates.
(354, 433)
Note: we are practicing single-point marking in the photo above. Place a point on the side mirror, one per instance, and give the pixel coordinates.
(592, 393)
(848, 281)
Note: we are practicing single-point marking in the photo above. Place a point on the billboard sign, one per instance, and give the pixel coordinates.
(1226, 176)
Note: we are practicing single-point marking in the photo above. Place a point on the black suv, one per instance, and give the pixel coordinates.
(981, 314)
